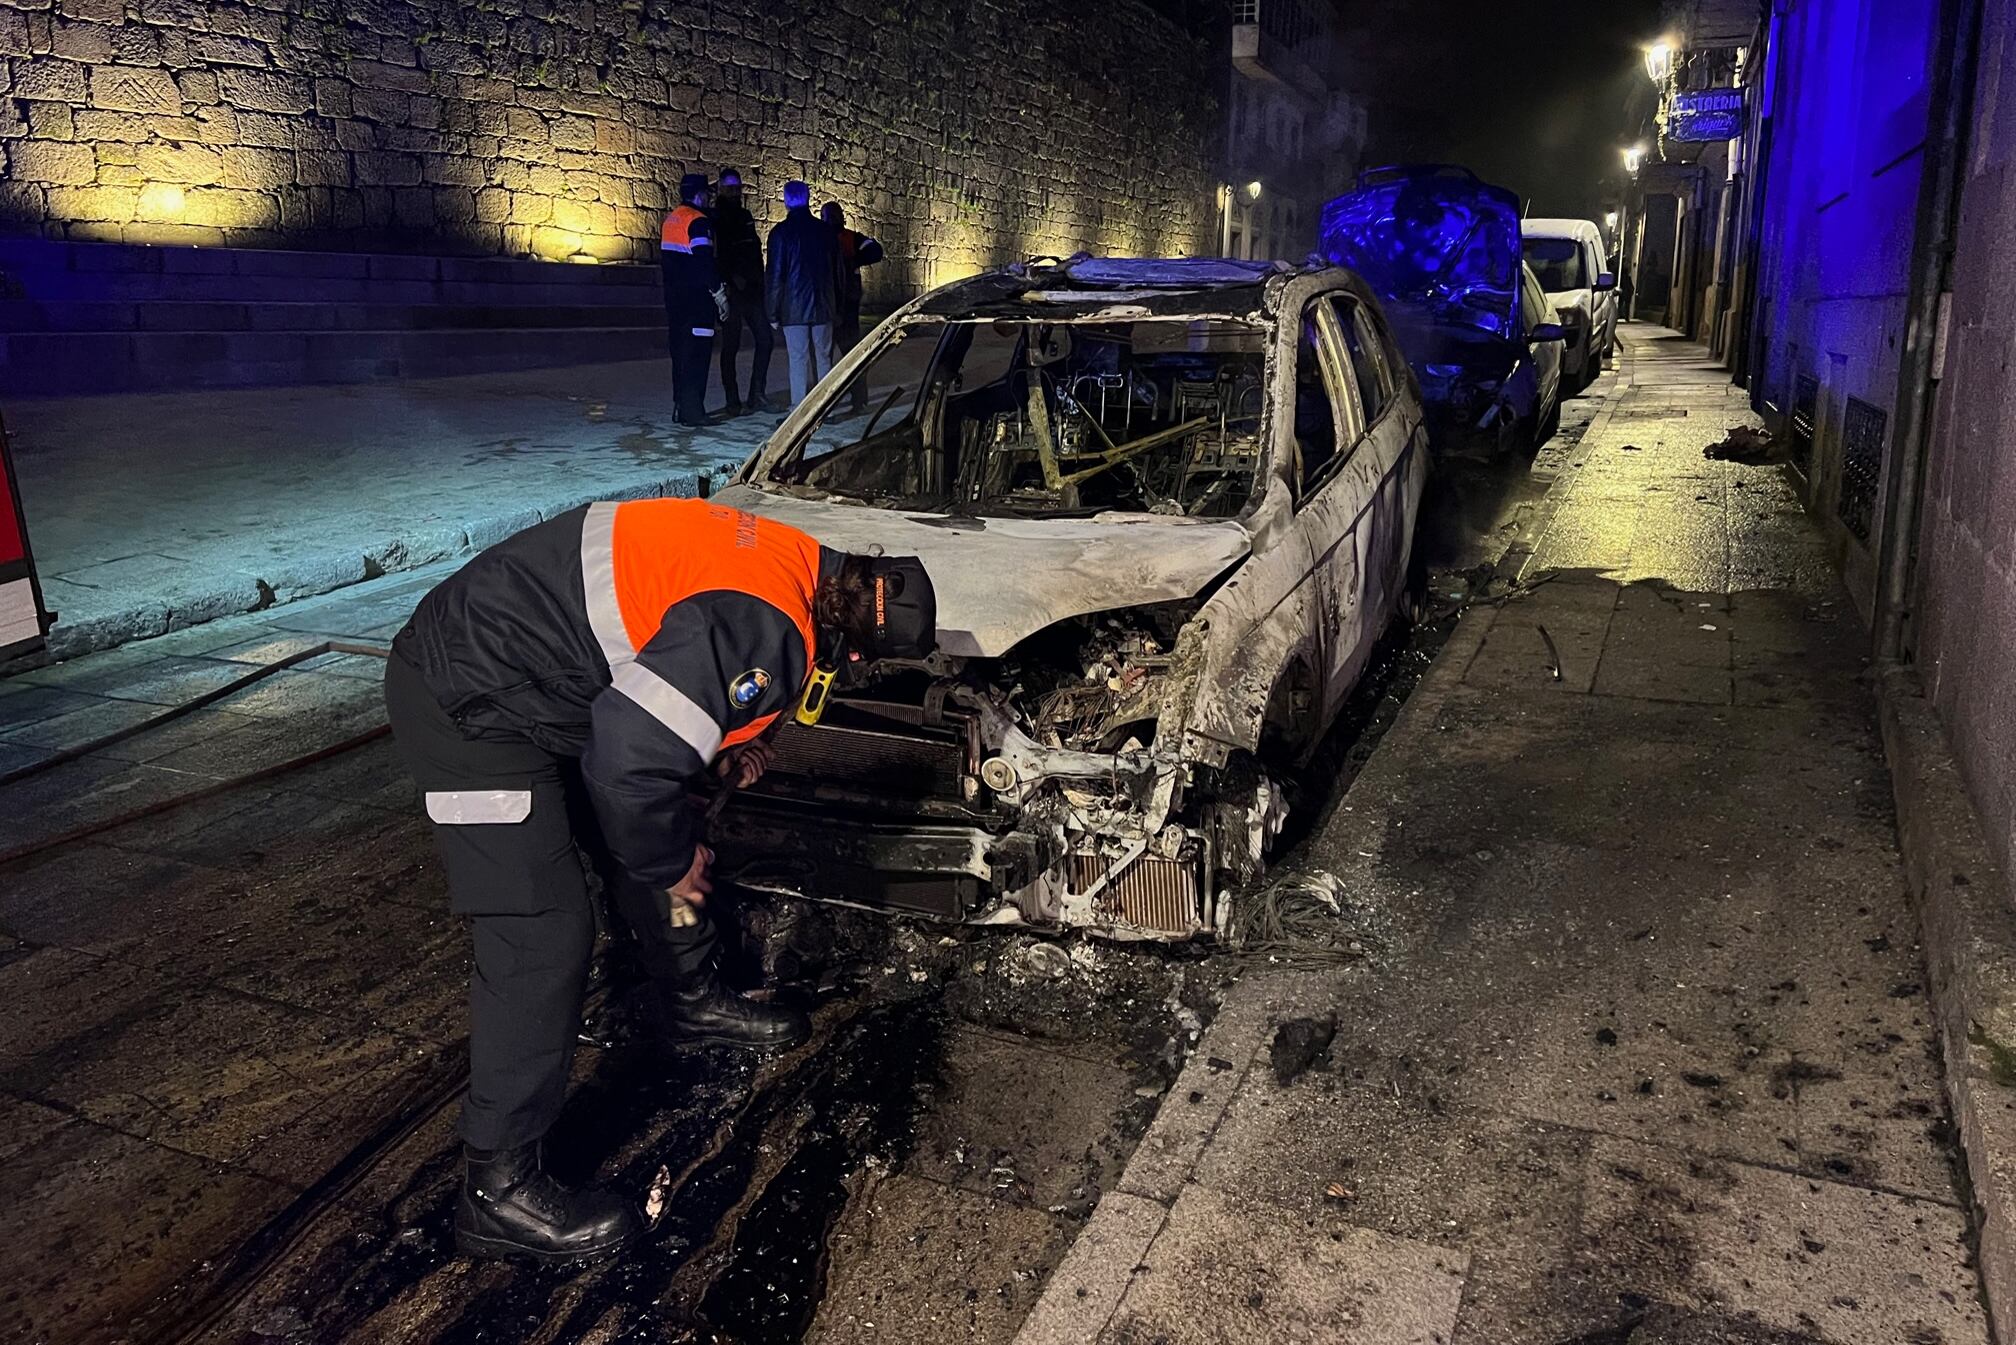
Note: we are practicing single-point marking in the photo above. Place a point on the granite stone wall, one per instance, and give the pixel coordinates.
(962, 134)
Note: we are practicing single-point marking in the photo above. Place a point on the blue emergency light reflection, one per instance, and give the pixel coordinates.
(1428, 243)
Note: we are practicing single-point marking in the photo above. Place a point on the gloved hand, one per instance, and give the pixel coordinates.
(720, 297)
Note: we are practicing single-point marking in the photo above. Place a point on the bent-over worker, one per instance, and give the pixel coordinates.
(567, 688)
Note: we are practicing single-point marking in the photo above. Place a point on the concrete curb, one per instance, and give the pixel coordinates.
(234, 593)
(1969, 930)
(1513, 564)
(1086, 1288)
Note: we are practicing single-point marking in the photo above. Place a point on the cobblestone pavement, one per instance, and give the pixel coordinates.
(1640, 1051)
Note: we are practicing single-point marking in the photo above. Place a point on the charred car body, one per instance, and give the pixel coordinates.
(1442, 250)
(1168, 507)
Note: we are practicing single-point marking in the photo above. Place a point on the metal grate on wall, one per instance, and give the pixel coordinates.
(1805, 408)
(1862, 428)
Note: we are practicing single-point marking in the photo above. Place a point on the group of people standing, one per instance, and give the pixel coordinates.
(718, 282)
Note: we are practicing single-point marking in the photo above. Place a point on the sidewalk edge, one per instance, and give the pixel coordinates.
(1969, 931)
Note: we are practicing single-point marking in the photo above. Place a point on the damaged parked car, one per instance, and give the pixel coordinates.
(1442, 250)
(1168, 508)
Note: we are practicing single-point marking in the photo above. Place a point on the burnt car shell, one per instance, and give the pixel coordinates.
(1442, 249)
(1147, 608)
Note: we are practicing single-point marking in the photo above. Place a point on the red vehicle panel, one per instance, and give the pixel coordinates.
(21, 617)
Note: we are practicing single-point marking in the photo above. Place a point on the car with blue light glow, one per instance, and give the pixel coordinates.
(1567, 256)
(1168, 508)
(1442, 249)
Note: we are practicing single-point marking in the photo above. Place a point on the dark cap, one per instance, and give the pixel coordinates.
(906, 609)
(728, 177)
(691, 185)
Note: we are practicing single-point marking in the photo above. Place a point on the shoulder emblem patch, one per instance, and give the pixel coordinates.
(745, 690)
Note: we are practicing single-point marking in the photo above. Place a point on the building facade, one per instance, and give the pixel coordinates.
(1293, 129)
(1849, 256)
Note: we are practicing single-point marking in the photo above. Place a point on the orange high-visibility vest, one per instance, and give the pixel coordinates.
(641, 557)
(676, 234)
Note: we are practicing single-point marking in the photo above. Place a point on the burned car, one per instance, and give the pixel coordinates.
(1442, 250)
(1168, 507)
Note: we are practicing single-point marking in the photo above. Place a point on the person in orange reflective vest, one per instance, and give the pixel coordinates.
(561, 696)
(696, 302)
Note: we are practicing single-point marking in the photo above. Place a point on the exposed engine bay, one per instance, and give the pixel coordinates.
(1146, 585)
(1036, 788)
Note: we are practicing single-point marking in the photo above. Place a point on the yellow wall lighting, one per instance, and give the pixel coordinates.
(162, 201)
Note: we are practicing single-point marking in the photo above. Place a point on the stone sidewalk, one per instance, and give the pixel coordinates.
(1641, 1052)
(154, 511)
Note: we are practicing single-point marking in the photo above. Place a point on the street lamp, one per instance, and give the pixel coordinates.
(1634, 156)
(1610, 221)
(1253, 191)
(1659, 60)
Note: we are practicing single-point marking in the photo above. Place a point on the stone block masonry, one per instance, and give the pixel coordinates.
(962, 135)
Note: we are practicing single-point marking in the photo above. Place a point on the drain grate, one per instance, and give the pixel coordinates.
(1861, 464)
(1805, 407)
(1649, 412)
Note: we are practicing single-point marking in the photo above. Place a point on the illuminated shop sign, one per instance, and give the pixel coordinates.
(1705, 114)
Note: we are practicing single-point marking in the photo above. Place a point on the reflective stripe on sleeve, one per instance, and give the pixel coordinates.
(674, 247)
(671, 707)
(478, 807)
(598, 584)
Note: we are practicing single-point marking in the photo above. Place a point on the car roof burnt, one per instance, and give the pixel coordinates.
(1174, 287)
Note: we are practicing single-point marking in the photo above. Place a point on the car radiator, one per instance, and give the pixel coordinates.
(1152, 892)
(892, 766)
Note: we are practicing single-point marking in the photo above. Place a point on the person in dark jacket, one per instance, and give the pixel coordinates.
(739, 253)
(804, 288)
(695, 301)
(561, 696)
(856, 251)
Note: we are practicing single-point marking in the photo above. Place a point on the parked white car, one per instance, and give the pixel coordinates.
(1567, 255)
(1168, 507)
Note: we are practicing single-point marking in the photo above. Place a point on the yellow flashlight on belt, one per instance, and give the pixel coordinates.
(818, 688)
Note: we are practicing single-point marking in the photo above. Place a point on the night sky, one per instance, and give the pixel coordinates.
(1530, 95)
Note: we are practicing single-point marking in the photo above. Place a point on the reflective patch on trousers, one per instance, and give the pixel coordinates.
(703, 331)
(473, 807)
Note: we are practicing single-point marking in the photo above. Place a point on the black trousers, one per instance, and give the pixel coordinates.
(512, 827)
(746, 309)
(692, 352)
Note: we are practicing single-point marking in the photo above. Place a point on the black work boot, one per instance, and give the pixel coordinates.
(705, 1010)
(511, 1207)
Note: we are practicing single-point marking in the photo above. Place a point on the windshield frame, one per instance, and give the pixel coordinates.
(920, 317)
(1580, 259)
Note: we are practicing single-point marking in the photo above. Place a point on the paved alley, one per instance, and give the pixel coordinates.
(1641, 1051)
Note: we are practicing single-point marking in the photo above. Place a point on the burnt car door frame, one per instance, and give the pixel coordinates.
(1355, 516)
